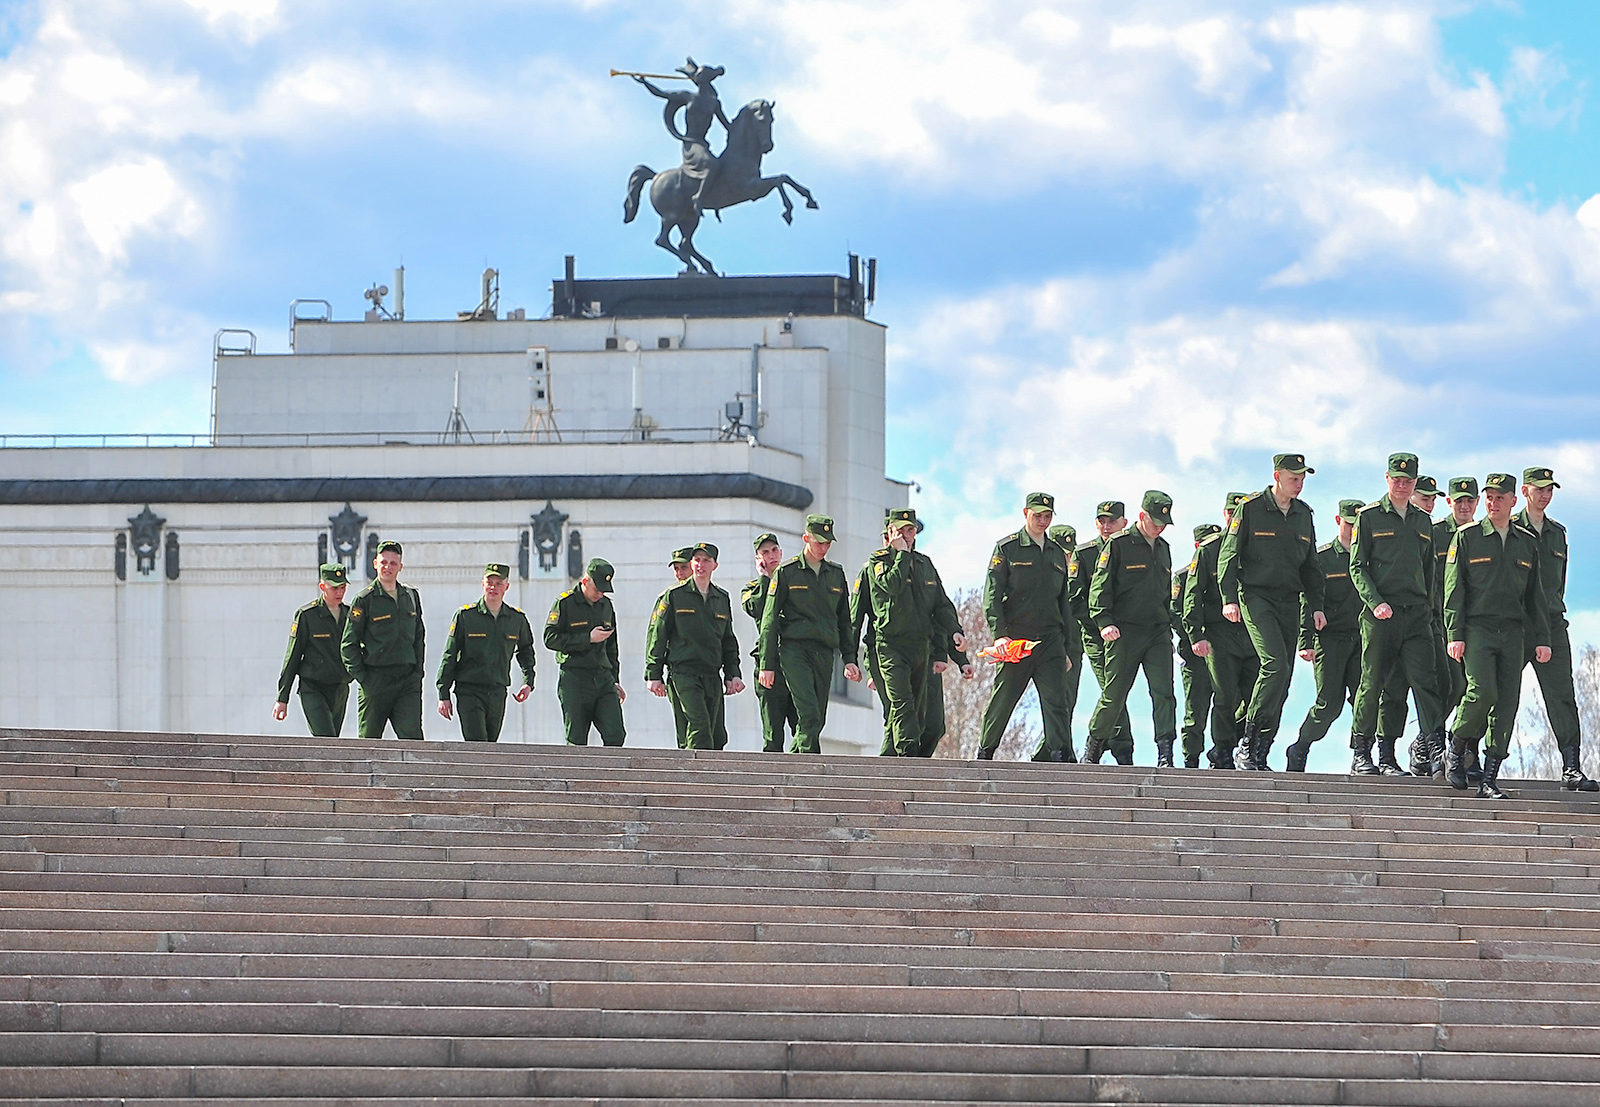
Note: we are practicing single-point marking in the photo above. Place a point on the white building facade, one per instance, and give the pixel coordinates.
(152, 586)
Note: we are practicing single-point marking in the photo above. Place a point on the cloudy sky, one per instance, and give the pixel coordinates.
(1123, 243)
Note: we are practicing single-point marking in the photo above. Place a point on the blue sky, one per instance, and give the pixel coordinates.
(1130, 244)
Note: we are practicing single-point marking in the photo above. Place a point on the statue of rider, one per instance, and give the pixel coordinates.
(699, 108)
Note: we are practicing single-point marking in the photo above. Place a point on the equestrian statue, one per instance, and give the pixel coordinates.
(706, 181)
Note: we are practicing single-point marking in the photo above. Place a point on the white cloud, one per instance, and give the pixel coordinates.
(249, 20)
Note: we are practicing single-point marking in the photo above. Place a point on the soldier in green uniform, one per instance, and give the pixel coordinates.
(774, 704)
(679, 564)
(1196, 678)
(692, 645)
(1495, 607)
(1392, 704)
(1267, 568)
(1335, 650)
(483, 638)
(1109, 519)
(1026, 595)
(909, 609)
(313, 656)
(1066, 536)
(581, 630)
(1428, 751)
(1555, 679)
(1391, 565)
(383, 647)
(1223, 646)
(1130, 601)
(805, 623)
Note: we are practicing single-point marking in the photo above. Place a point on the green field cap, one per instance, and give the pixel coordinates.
(820, 526)
(1110, 509)
(681, 555)
(1463, 488)
(1206, 530)
(704, 547)
(1158, 505)
(333, 572)
(390, 546)
(1349, 509)
(1232, 502)
(1291, 463)
(1064, 533)
(1404, 465)
(497, 569)
(900, 516)
(1539, 478)
(1427, 486)
(1500, 482)
(599, 573)
(764, 537)
(1040, 501)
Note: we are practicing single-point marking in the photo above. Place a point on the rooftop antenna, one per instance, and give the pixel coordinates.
(374, 296)
(489, 303)
(456, 425)
(541, 424)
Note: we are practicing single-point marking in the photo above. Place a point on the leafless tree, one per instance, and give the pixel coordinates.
(1533, 751)
(964, 700)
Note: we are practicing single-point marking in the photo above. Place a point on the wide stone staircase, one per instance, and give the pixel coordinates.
(228, 919)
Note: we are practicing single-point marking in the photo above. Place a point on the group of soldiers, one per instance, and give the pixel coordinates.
(1396, 606)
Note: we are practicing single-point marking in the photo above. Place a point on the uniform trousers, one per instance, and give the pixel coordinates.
(481, 710)
(1232, 665)
(589, 698)
(1493, 662)
(903, 671)
(1146, 648)
(700, 695)
(1197, 695)
(1046, 667)
(1120, 744)
(324, 707)
(1399, 646)
(390, 694)
(1338, 672)
(1555, 685)
(1272, 617)
(776, 708)
(808, 672)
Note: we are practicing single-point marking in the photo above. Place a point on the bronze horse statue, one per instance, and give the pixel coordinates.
(737, 178)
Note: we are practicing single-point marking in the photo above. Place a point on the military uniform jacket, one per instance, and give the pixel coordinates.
(1200, 604)
(1027, 593)
(908, 601)
(1132, 584)
(692, 633)
(1080, 574)
(1490, 580)
(384, 631)
(1180, 584)
(313, 653)
(566, 633)
(1265, 549)
(1444, 532)
(1391, 558)
(1341, 602)
(754, 600)
(1552, 562)
(806, 606)
(480, 648)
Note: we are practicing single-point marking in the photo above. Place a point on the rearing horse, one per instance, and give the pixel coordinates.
(738, 178)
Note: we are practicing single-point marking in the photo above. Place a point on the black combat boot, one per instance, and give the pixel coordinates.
(1244, 750)
(1441, 745)
(1164, 752)
(1387, 765)
(1294, 758)
(1572, 777)
(1474, 769)
(984, 755)
(1191, 761)
(1219, 757)
(1093, 750)
(1455, 769)
(1361, 757)
(1421, 754)
(1069, 756)
(1489, 786)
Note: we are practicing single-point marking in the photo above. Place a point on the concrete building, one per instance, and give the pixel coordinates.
(152, 585)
